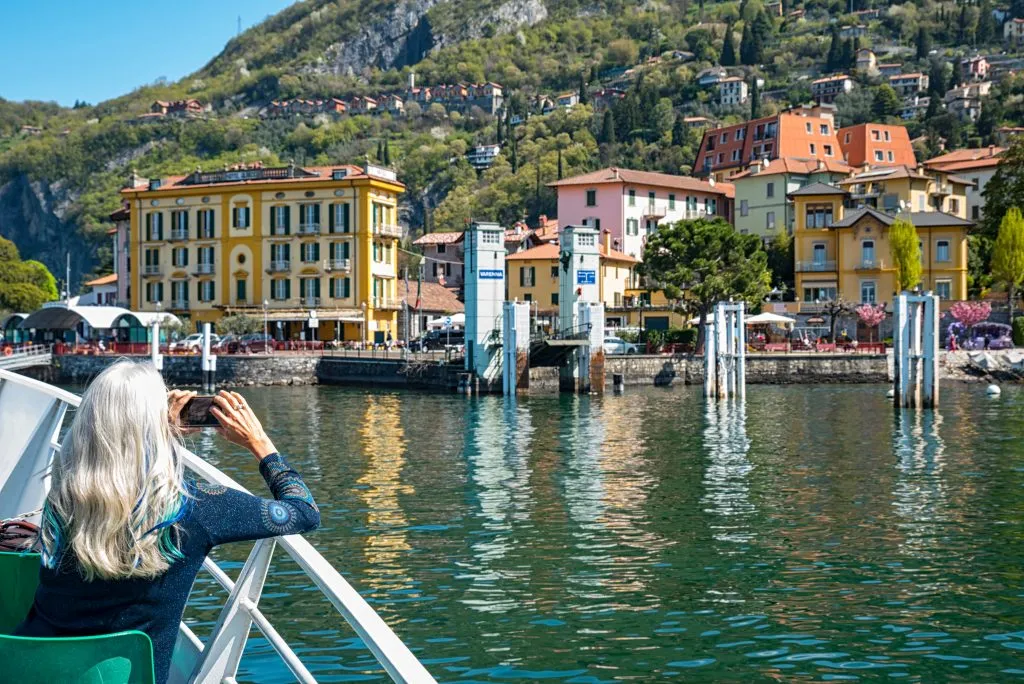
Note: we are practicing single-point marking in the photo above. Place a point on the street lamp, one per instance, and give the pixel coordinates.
(265, 335)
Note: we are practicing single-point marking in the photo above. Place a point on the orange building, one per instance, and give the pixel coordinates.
(806, 132)
(877, 145)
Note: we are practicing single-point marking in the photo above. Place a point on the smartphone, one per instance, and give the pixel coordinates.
(196, 413)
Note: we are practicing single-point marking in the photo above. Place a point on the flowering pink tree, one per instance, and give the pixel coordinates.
(969, 314)
(871, 316)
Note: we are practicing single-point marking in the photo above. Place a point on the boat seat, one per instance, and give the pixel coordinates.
(121, 658)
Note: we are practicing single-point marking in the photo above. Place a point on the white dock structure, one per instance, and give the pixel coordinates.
(725, 353)
(916, 350)
(515, 329)
(485, 297)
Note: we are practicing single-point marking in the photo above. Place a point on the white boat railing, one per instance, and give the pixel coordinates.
(31, 415)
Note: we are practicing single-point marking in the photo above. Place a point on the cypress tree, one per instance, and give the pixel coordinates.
(678, 132)
(961, 29)
(747, 50)
(924, 43)
(559, 163)
(835, 51)
(849, 57)
(985, 29)
(755, 99)
(387, 153)
(583, 89)
(608, 128)
(380, 151)
(728, 57)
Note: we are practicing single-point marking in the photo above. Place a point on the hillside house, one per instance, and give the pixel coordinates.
(826, 90)
(908, 85)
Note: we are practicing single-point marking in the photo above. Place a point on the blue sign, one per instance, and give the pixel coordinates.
(492, 274)
(586, 277)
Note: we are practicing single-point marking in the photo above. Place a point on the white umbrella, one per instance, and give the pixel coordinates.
(769, 318)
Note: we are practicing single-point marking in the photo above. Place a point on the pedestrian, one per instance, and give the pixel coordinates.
(390, 341)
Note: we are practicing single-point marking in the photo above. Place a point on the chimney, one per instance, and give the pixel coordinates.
(820, 166)
(607, 238)
(991, 150)
(711, 181)
(542, 220)
(412, 80)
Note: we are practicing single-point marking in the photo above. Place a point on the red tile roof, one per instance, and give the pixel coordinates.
(446, 238)
(795, 165)
(551, 250)
(103, 280)
(665, 180)
(435, 297)
(969, 158)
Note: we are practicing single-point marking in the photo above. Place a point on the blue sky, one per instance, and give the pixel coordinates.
(94, 50)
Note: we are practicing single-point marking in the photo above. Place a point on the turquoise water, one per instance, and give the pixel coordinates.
(812, 536)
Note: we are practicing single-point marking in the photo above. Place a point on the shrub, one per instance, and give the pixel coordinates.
(681, 335)
(1018, 331)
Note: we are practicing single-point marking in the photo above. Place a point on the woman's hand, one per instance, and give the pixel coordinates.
(176, 400)
(240, 425)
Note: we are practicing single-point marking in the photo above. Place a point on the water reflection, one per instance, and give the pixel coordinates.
(919, 494)
(727, 491)
(386, 543)
(497, 450)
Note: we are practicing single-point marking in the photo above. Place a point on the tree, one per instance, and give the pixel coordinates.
(623, 52)
(387, 153)
(906, 253)
(24, 285)
(1004, 190)
(871, 316)
(970, 314)
(849, 58)
(380, 151)
(1008, 255)
(755, 98)
(780, 260)
(886, 102)
(937, 85)
(608, 128)
(924, 43)
(751, 47)
(835, 51)
(239, 324)
(584, 97)
(704, 261)
(834, 309)
(985, 30)
(678, 132)
(728, 56)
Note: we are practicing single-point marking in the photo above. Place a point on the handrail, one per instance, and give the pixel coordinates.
(392, 654)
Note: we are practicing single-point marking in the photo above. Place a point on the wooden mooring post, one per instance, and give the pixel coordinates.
(725, 352)
(916, 350)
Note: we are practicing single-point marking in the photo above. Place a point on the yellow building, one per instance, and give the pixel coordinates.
(902, 188)
(533, 276)
(645, 309)
(844, 253)
(291, 241)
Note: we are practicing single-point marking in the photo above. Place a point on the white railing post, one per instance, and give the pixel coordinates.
(915, 351)
(154, 347)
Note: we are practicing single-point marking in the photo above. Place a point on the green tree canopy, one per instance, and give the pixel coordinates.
(1008, 254)
(886, 102)
(728, 56)
(906, 253)
(24, 285)
(704, 261)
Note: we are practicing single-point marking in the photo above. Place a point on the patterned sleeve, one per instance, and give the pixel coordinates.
(229, 515)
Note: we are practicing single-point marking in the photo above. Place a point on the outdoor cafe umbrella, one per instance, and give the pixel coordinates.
(768, 318)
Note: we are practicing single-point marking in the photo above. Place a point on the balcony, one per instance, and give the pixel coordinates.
(811, 307)
(942, 189)
(179, 304)
(179, 234)
(309, 228)
(311, 302)
(386, 303)
(653, 211)
(204, 269)
(279, 266)
(151, 270)
(862, 191)
(388, 230)
(870, 265)
(206, 234)
(338, 265)
(815, 266)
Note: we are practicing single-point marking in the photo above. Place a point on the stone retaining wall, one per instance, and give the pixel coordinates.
(233, 371)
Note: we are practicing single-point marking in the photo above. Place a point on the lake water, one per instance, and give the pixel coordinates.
(813, 535)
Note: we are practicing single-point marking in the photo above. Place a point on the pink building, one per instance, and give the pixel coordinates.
(442, 258)
(122, 254)
(632, 204)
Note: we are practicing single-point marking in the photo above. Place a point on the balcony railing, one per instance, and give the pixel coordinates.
(387, 230)
(179, 304)
(870, 265)
(811, 307)
(278, 266)
(151, 269)
(338, 265)
(204, 269)
(311, 301)
(309, 228)
(386, 303)
(178, 234)
(206, 234)
(815, 266)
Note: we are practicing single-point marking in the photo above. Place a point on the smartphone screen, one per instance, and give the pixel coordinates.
(196, 413)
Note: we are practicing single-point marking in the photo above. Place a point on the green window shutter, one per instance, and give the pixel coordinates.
(287, 220)
(316, 287)
(533, 275)
(288, 288)
(330, 218)
(149, 227)
(160, 291)
(273, 219)
(522, 276)
(316, 251)
(332, 250)
(345, 250)
(330, 286)
(316, 213)
(186, 256)
(346, 226)
(287, 252)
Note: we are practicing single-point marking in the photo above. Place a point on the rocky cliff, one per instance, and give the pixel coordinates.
(37, 216)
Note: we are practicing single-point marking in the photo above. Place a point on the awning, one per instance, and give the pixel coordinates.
(144, 319)
(64, 316)
(12, 320)
(768, 318)
(457, 321)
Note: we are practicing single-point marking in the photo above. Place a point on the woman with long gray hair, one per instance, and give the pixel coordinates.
(124, 533)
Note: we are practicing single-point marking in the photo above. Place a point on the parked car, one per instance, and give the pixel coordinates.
(256, 343)
(617, 345)
(225, 342)
(438, 339)
(193, 342)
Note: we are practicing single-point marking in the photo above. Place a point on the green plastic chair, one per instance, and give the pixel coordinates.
(121, 658)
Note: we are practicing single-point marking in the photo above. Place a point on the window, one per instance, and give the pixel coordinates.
(769, 220)
(819, 254)
(878, 156)
(179, 256)
(554, 299)
(822, 294)
(867, 254)
(671, 202)
(867, 292)
(179, 292)
(824, 129)
(809, 127)
(207, 228)
(739, 133)
(341, 288)
(240, 217)
(280, 255)
(527, 297)
(975, 212)
(280, 220)
(889, 154)
(875, 136)
(179, 223)
(155, 226)
(310, 252)
(309, 218)
(720, 158)
(814, 149)
(591, 198)
(847, 140)
(310, 288)
(206, 288)
(735, 155)
(154, 292)
(338, 218)
(944, 289)
(942, 250)
(920, 203)
(976, 183)
(743, 208)
(442, 248)
(632, 227)
(725, 138)
(954, 205)
(887, 139)
(527, 276)
(769, 190)
(828, 150)
(280, 289)
(819, 217)
(554, 272)
(240, 290)
(759, 132)
(632, 197)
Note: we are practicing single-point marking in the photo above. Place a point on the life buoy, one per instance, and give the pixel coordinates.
(8, 351)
